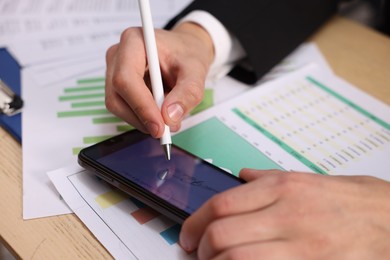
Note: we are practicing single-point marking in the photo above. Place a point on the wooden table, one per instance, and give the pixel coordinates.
(356, 53)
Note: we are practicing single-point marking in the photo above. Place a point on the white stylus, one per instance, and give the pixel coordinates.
(154, 68)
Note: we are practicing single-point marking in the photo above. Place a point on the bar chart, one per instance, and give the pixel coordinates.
(63, 118)
(86, 99)
(132, 225)
(139, 212)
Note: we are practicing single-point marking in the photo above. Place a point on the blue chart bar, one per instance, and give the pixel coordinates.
(171, 235)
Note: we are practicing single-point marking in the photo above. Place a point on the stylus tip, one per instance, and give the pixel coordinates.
(167, 150)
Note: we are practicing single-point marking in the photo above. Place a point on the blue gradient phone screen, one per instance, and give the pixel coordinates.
(185, 181)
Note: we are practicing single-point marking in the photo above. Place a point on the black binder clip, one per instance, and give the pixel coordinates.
(10, 103)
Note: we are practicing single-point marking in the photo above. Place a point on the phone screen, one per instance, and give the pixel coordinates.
(185, 181)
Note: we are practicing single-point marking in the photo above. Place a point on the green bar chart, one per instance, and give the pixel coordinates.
(86, 99)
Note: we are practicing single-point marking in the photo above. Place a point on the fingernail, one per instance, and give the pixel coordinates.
(152, 128)
(184, 243)
(175, 112)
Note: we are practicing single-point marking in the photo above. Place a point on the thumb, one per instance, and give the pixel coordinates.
(186, 95)
(253, 174)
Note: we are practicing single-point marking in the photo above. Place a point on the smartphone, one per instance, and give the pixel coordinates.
(135, 163)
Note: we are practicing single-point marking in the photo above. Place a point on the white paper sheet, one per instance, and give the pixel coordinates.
(127, 230)
(308, 120)
(51, 138)
(38, 31)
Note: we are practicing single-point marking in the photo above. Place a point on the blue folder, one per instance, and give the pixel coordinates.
(10, 74)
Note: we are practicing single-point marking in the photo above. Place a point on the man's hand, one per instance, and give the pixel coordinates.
(185, 54)
(291, 215)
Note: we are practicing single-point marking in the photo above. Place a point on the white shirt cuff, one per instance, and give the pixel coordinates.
(227, 49)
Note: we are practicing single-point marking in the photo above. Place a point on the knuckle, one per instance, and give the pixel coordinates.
(111, 105)
(110, 52)
(119, 82)
(289, 183)
(126, 34)
(220, 205)
(214, 234)
(195, 92)
(283, 183)
(130, 33)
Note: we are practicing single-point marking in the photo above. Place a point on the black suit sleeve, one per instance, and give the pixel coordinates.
(267, 29)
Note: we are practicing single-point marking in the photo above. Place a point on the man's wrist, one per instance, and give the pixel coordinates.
(226, 48)
(200, 33)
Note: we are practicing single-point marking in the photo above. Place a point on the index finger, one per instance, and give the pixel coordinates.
(128, 81)
(248, 197)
